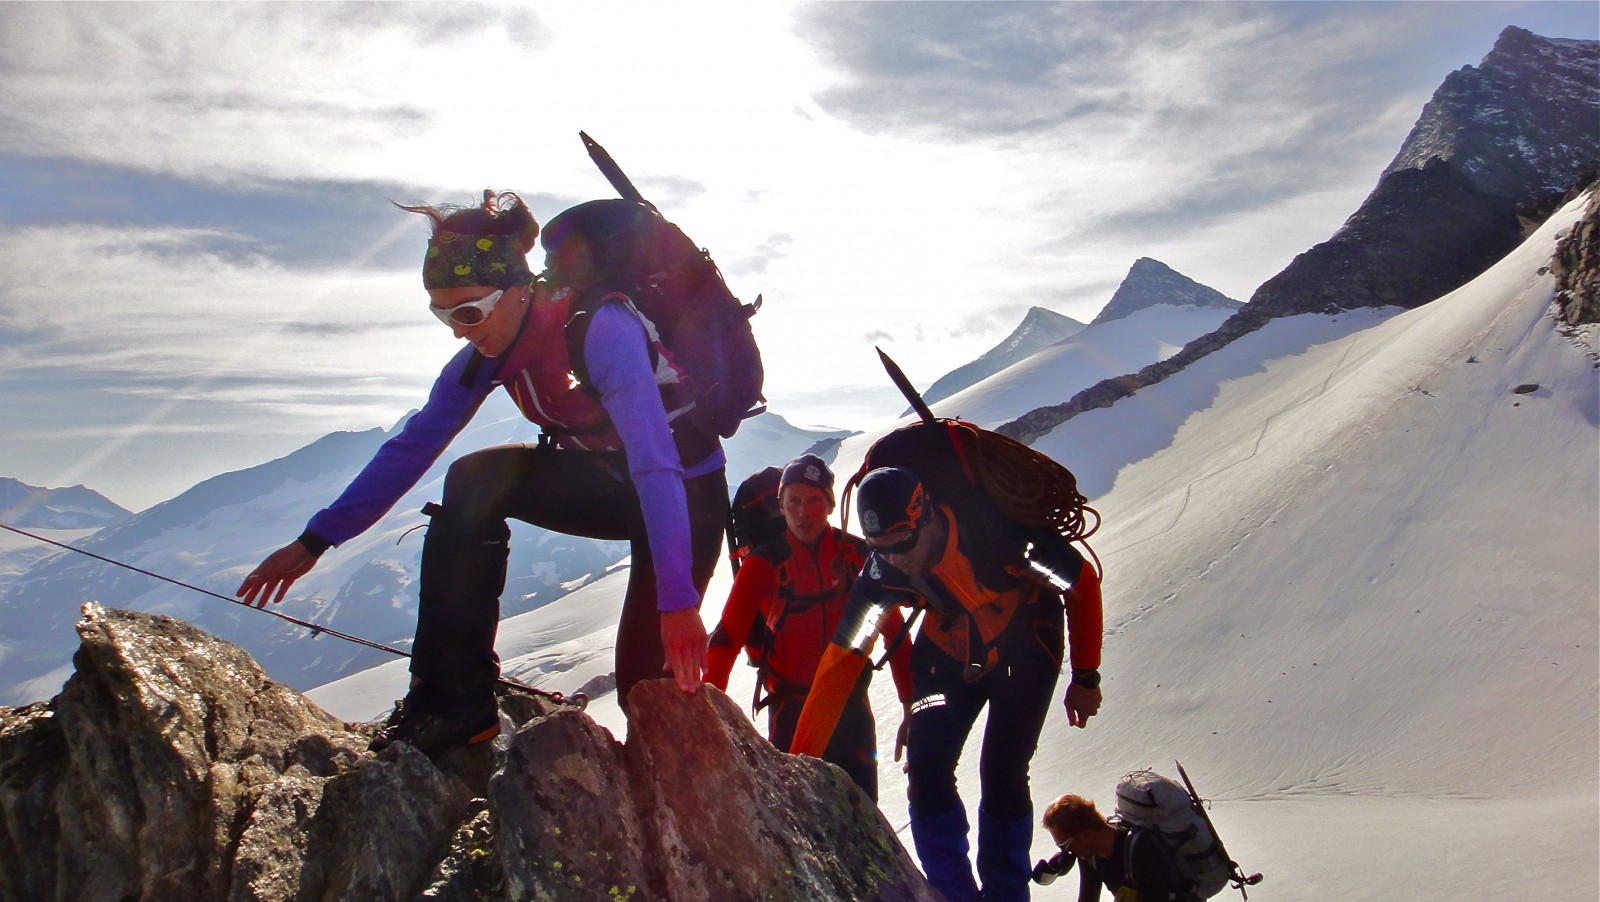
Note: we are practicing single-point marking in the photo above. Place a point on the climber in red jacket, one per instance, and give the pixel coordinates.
(787, 600)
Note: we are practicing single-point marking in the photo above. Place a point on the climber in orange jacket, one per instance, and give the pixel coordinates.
(993, 635)
(787, 600)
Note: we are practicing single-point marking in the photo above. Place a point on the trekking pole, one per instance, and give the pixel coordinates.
(578, 699)
(1238, 877)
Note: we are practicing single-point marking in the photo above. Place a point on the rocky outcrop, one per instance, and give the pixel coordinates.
(170, 767)
(1577, 269)
(1420, 235)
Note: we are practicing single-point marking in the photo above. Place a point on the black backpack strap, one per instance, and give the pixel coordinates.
(576, 330)
(901, 639)
(469, 373)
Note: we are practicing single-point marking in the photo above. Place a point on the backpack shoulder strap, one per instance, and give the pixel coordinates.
(576, 331)
(855, 546)
(469, 373)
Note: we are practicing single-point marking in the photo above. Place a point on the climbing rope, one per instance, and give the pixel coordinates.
(578, 700)
(1028, 487)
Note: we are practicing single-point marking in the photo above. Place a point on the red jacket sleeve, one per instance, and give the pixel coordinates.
(753, 589)
(1085, 619)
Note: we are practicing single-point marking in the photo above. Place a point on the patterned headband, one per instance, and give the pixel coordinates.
(455, 260)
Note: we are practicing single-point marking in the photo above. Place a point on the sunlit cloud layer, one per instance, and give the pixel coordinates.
(199, 246)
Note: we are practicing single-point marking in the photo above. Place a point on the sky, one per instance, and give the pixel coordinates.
(1296, 604)
(203, 270)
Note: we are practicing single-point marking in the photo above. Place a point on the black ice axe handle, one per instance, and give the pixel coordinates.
(898, 376)
(1239, 878)
(613, 173)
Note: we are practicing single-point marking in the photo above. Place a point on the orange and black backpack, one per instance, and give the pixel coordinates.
(998, 487)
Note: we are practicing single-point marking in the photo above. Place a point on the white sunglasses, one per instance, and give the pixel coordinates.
(469, 314)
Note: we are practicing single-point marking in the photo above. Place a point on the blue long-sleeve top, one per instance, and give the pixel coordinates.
(619, 367)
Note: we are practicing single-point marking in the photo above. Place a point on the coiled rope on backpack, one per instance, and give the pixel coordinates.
(1028, 487)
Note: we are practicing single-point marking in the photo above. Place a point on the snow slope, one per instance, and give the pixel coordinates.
(1351, 583)
(1055, 374)
(1360, 586)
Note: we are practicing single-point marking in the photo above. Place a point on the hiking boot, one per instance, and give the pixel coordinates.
(435, 734)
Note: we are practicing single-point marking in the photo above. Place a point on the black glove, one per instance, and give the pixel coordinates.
(1046, 872)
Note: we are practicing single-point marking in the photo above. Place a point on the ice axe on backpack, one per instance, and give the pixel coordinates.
(898, 377)
(697, 317)
(613, 173)
(1238, 878)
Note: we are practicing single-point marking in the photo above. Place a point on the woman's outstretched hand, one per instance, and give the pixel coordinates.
(271, 579)
(683, 639)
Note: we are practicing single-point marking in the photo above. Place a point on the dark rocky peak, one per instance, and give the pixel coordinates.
(1039, 329)
(170, 767)
(31, 507)
(1421, 234)
(1518, 125)
(1150, 283)
(1491, 147)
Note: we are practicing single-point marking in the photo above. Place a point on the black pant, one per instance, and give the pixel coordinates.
(1018, 691)
(854, 746)
(453, 661)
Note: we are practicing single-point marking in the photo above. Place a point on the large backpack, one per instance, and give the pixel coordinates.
(1152, 804)
(996, 485)
(677, 287)
(754, 517)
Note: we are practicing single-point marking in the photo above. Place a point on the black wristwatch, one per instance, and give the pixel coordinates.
(1088, 679)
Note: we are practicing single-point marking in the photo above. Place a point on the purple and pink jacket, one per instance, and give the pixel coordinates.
(634, 385)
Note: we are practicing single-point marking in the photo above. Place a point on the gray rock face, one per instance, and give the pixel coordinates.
(1577, 268)
(1519, 124)
(170, 767)
(1420, 235)
(1151, 282)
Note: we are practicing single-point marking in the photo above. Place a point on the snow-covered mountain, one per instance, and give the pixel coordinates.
(76, 507)
(1039, 329)
(1151, 283)
(213, 534)
(1350, 582)
(59, 515)
(1089, 356)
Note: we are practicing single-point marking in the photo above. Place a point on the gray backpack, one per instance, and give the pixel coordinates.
(1148, 801)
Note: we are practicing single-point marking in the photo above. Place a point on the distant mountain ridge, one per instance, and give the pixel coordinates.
(213, 534)
(77, 507)
(1151, 282)
(1039, 329)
